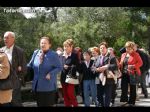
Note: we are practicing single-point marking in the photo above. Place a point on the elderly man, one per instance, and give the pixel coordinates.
(17, 59)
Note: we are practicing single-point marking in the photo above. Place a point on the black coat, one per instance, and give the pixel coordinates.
(111, 60)
(87, 72)
(70, 61)
(145, 60)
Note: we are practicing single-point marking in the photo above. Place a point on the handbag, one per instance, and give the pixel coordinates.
(70, 79)
(8, 83)
(133, 79)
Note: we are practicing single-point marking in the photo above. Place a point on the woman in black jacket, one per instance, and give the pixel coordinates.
(70, 61)
(89, 76)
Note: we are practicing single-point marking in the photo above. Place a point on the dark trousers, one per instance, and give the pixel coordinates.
(81, 89)
(114, 93)
(45, 99)
(104, 94)
(16, 95)
(142, 80)
(81, 93)
(77, 89)
(16, 98)
(124, 88)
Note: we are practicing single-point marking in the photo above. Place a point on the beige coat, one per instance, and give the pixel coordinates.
(5, 96)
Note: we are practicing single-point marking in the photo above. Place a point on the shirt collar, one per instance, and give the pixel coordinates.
(65, 54)
(11, 48)
(104, 55)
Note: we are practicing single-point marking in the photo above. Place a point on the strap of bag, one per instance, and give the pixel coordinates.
(35, 54)
(70, 71)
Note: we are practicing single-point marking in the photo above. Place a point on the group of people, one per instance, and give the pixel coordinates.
(98, 70)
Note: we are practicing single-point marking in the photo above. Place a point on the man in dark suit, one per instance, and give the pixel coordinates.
(17, 59)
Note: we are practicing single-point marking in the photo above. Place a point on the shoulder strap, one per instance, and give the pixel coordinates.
(109, 58)
(35, 54)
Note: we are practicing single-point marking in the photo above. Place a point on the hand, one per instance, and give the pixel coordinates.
(66, 66)
(101, 69)
(93, 69)
(130, 67)
(48, 76)
(97, 70)
(19, 68)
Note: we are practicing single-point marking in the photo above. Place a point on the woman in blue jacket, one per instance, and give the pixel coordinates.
(46, 66)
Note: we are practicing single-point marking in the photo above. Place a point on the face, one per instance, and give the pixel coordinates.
(87, 57)
(9, 40)
(68, 48)
(103, 49)
(129, 50)
(94, 53)
(111, 51)
(44, 44)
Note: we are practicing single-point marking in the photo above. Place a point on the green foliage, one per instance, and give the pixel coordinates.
(88, 26)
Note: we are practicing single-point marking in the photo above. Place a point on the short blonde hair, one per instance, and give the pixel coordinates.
(130, 44)
(68, 42)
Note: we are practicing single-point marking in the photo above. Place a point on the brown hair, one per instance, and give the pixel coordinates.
(103, 43)
(68, 42)
(47, 38)
(78, 49)
(87, 52)
(59, 48)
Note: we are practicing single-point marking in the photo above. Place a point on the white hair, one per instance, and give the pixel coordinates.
(9, 32)
(110, 48)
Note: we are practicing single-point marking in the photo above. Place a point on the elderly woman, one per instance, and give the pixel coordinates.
(5, 95)
(130, 66)
(46, 66)
(105, 66)
(70, 61)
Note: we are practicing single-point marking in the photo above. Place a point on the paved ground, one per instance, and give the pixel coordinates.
(143, 102)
